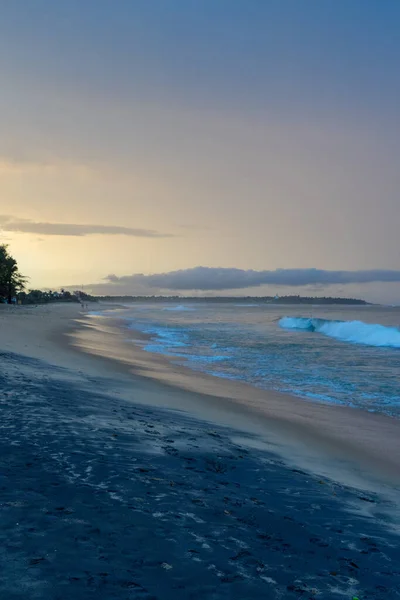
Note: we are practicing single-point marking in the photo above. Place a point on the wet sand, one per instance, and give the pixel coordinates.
(353, 445)
(105, 494)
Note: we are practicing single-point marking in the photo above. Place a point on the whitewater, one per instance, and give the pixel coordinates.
(337, 354)
(356, 332)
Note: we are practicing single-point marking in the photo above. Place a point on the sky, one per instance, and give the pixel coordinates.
(213, 138)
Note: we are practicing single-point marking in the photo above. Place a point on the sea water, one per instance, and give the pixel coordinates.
(341, 354)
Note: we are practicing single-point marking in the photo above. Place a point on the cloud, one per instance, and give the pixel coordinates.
(16, 225)
(214, 279)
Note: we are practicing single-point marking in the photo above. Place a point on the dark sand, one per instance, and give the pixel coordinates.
(104, 498)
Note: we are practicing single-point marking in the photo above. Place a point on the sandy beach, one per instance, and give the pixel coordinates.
(121, 478)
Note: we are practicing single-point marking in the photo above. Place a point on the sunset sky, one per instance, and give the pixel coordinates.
(149, 136)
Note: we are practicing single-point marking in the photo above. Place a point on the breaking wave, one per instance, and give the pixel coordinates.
(355, 332)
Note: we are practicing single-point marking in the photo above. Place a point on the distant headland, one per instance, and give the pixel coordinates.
(236, 299)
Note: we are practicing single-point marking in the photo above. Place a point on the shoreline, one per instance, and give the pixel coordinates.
(105, 494)
(321, 436)
(346, 444)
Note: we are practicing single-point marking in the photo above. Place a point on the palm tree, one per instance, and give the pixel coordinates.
(11, 280)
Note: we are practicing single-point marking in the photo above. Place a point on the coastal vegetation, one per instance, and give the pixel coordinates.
(13, 286)
(43, 297)
(12, 282)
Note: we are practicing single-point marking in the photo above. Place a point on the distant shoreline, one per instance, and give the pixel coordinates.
(239, 299)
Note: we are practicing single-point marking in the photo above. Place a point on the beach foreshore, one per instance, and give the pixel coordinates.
(115, 484)
(352, 445)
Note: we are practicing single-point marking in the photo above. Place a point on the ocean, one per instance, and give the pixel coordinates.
(347, 355)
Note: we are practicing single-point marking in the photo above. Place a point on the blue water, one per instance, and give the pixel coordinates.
(345, 355)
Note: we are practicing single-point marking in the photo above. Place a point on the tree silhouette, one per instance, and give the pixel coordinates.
(11, 280)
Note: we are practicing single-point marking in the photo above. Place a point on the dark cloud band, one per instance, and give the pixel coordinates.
(12, 224)
(208, 279)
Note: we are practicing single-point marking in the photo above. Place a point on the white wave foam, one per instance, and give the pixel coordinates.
(241, 305)
(179, 308)
(356, 332)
